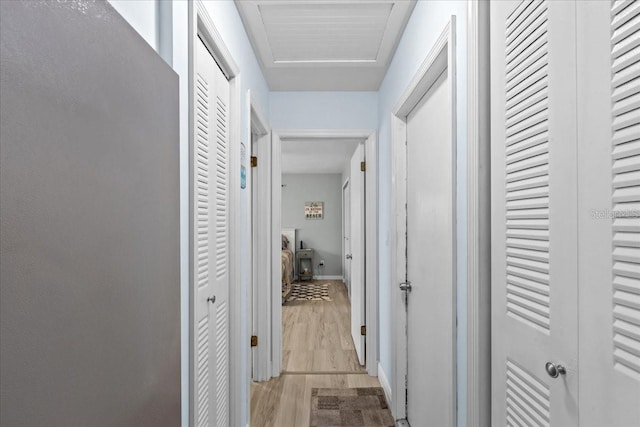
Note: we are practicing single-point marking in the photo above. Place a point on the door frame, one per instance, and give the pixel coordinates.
(258, 221)
(371, 237)
(201, 25)
(440, 58)
(478, 216)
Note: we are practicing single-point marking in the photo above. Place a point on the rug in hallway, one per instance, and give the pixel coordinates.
(353, 407)
(309, 291)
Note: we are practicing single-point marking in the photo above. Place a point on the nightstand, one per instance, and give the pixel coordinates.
(304, 258)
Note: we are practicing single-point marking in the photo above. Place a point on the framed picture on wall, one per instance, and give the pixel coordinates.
(313, 210)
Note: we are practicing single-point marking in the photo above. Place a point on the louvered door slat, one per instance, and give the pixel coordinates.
(625, 59)
(609, 194)
(203, 396)
(534, 244)
(528, 400)
(222, 365)
(528, 142)
(220, 220)
(210, 183)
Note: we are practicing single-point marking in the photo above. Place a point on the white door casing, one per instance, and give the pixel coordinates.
(260, 190)
(609, 212)
(210, 186)
(276, 261)
(371, 252)
(478, 200)
(255, 254)
(534, 232)
(262, 241)
(357, 246)
(439, 63)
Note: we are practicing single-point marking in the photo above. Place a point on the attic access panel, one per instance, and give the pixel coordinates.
(312, 32)
(324, 45)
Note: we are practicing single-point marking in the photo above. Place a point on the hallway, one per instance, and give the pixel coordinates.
(470, 169)
(318, 353)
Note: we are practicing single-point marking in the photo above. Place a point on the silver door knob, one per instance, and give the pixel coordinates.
(554, 370)
(211, 299)
(349, 256)
(405, 286)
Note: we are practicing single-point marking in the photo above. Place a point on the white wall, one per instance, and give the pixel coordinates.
(324, 110)
(425, 25)
(142, 15)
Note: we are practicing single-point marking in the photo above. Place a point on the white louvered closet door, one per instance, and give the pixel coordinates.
(534, 231)
(609, 213)
(210, 183)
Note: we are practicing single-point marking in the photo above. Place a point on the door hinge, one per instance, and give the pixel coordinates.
(363, 166)
(254, 340)
(363, 330)
(254, 161)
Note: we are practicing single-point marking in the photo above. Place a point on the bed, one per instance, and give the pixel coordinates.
(288, 257)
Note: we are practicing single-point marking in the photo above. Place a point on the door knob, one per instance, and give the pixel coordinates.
(405, 286)
(554, 370)
(349, 256)
(211, 299)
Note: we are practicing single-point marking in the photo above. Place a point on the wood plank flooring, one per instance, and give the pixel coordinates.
(317, 334)
(318, 352)
(286, 401)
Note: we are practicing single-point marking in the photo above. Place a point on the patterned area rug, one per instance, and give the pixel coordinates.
(340, 407)
(309, 291)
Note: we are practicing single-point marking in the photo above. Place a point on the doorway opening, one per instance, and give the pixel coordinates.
(318, 309)
(364, 301)
(315, 335)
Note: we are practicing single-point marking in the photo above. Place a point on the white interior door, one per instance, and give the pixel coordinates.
(346, 236)
(430, 259)
(534, 231)
(609, 212)
(357, 227)
(210, 181)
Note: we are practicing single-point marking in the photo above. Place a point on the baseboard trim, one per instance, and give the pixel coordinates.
(384, 382)
(319, 277)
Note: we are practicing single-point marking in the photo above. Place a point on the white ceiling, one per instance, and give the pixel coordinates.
(324, 45)
(315, 155)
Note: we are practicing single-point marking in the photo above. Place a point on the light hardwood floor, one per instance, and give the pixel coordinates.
(318, 352)
(286, 401)
(317, 334)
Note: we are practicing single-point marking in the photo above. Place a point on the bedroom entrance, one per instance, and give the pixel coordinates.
(310, 170)
(318, 309)
(323, 299)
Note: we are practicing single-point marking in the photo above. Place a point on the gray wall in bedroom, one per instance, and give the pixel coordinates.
(89, 247)
(324, 236)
